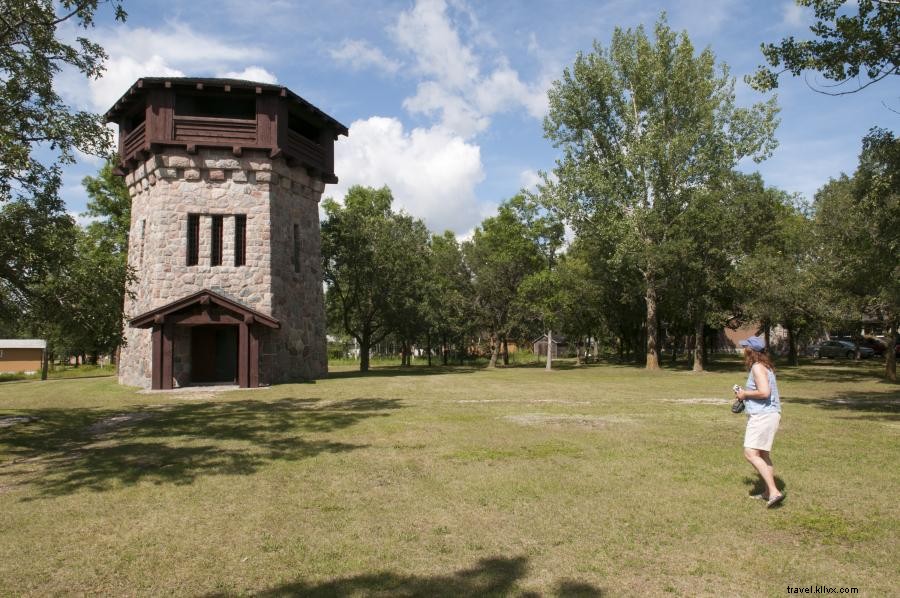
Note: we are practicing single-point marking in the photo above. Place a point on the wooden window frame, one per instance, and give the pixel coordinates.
(240, 239)
(216, 227)
(193, 240)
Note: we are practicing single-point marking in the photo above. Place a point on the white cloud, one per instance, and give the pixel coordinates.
(530, 179)
(256, 74)
(431, 172)
(454, 88)
(360, 55)
(173, 50)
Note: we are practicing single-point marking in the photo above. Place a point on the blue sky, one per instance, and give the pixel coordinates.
(445, 98)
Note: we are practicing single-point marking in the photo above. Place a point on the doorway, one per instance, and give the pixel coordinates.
(214, 354)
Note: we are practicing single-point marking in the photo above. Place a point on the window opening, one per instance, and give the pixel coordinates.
(216, 253)
(296, 255)
(216, 106)
(300, 125)
(193, 239)
(240, 240)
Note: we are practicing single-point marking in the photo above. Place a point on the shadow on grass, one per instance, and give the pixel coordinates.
(391, 371)
(172, 444)
(836, 372)
(758, 486)
(495, 576)
(883, 406)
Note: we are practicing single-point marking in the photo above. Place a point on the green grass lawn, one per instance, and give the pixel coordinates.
(601, 479)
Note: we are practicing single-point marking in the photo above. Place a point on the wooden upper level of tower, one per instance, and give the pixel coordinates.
(190, 113)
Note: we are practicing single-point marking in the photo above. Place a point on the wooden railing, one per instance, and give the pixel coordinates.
(134, 141)
(305, 149)
(214, 130)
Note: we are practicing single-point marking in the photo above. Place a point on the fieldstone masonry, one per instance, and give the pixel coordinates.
(278, 201)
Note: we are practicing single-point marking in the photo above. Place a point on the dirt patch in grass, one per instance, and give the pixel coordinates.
(526, 401)
(590, 422)
(700, 401)
(119, 421)
(7, 422)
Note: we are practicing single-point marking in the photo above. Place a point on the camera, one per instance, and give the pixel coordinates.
(738, 405)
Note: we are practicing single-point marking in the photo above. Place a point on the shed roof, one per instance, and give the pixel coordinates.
(22, 343)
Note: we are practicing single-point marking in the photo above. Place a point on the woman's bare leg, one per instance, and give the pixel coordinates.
(762, 462)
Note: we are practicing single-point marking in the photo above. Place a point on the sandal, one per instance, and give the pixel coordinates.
(774, 501)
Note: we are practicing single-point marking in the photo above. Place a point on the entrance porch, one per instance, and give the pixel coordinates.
(222, 338)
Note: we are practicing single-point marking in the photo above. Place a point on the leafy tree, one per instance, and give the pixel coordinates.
(31, 111)
(452, 298)
(374, 268)
(859, 224)
(36, 241)
(502, 253)
(642, 125)
(110, 205)
(846, 46)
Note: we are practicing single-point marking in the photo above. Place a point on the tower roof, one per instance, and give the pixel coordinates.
(140, 87)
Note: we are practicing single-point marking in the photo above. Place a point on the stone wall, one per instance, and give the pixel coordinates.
(274, 197)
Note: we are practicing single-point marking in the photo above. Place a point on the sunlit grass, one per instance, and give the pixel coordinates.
(448, 481)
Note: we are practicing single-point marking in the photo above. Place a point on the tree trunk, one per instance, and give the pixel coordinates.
(428, 348)
(364, 346)
(579, 348)
(792, 346)
(890, 356)
(766, 335)
(652, 332)
(699, 347)
(495, 351)
(505, 351)
(549, 365)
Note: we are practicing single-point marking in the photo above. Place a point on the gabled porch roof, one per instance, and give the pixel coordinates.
(204, 299)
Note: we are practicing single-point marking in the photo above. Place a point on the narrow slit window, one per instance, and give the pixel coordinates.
(296, 255)
(216, 248)
(193, 239)
(240, 240)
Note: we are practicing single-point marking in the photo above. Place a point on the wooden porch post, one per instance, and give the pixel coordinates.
(243, 355)
(156, 358)
(254, 356)
(168, 341)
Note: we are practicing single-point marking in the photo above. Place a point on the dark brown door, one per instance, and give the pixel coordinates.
(214, 354)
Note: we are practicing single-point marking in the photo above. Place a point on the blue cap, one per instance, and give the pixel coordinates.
(755, 343)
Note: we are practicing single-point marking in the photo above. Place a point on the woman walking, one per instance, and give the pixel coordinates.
(764, 410)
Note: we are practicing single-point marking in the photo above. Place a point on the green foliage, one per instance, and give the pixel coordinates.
(505, 250)
(858, 221)
(374, 267)
(644, 125)
(846, 45)
(31, 111)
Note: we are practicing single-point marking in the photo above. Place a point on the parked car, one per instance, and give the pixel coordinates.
(876, 345)
(844, 349)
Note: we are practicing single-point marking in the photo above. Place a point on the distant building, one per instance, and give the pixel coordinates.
(22, 355)
(225, 178)
(559, 346)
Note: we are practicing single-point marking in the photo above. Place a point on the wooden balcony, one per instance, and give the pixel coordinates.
(224, 131)
(306, 151)
(134, 141)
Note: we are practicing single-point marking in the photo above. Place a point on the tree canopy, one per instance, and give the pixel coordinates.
(861, 46)
(643, 125)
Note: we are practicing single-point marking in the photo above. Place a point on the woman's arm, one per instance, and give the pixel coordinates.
(761, 378)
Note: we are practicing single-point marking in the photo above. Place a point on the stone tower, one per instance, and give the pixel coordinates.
(225, 178)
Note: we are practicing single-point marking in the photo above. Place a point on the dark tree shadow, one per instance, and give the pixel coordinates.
(496, 576)
(175, 444)
(883, 406)
(393, 371)
(829, 372)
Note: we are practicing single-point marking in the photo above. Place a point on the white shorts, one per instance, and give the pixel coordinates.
(761, 428)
